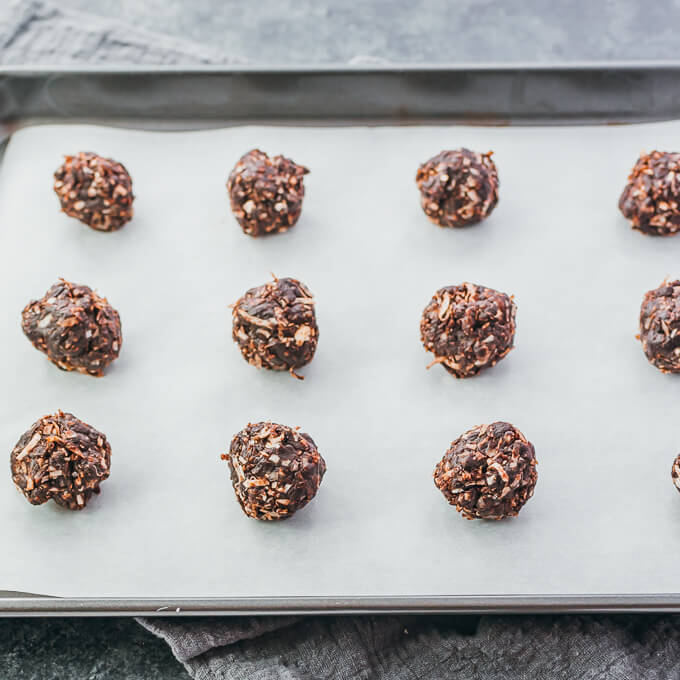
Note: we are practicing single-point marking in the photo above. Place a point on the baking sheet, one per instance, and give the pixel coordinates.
(605, 516)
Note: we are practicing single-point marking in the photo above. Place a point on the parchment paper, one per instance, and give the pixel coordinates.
(605, 517)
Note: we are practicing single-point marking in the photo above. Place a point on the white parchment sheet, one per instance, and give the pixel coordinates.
(605, 517)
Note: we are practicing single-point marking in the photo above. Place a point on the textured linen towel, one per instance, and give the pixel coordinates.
(406, 648)
(264, 648)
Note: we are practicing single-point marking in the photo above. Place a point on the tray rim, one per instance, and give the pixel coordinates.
(338, 68)
(42, 606)
(367, 74)
(15, 604)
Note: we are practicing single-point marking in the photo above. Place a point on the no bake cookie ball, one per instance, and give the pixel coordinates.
(458, 188)
(95, 190)
(650, 200)
(275, 470)
(468, 328)
(60, 458)
(77, 329)
(274, 325)
(660, 326)
(266, 193)
(489, 472)
(675, 472)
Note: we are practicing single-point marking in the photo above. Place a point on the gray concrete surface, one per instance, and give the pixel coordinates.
(75, 649)
(318, 31)
(324, 31)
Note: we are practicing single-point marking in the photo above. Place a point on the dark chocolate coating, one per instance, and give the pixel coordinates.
(60, 458)
(650, 199)
(95, 190)
(74, 327)
(266, 193)
(468, 328)
(660, 326)
(274, 325)
(275, 470)
(458, 188)
(489, 472)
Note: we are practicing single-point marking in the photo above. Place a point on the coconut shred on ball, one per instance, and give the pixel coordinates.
(489, 472)
(275, 470)
(95, 190)
(468, 328)
(458, 188)
(266, 193)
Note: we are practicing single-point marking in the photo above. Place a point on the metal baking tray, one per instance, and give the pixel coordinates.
(177, 98)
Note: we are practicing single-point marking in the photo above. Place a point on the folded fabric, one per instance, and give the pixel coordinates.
(401, 648)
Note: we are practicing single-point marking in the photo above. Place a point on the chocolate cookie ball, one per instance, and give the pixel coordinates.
(675, 473)
(274, 326)
(468, 328)
(275, 470)
(458, 188)
(60, 458)
(74, 327)
(95, 190)
(650, 199)
(489, 472)
(660, 326)
(266, 193)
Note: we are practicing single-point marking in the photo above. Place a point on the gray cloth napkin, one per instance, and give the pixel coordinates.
(36, 32)
(406, 648)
